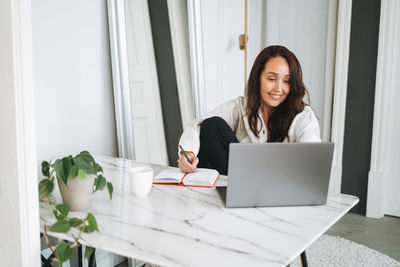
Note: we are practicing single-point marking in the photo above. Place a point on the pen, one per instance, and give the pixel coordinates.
(184, 153)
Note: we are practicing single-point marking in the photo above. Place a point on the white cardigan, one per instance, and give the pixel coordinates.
(304, 127)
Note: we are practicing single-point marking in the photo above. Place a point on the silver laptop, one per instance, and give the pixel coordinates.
(277, 174)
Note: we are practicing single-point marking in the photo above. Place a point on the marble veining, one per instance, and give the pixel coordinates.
(189, 226)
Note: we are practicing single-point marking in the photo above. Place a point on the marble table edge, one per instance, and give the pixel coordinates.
(320, 233)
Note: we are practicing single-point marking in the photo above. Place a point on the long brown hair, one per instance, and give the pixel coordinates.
(281, 117)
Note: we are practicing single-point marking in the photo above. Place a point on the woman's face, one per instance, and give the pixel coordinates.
(274, 82)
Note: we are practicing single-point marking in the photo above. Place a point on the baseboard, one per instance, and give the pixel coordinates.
(375, 197)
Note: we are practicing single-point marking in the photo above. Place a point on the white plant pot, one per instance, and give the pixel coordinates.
(77, 194)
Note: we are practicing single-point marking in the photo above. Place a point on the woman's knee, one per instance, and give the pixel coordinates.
(211, 125)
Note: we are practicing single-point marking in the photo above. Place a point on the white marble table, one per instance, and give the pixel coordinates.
(189, 226)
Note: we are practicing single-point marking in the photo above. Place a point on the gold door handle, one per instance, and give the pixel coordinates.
(243, 41)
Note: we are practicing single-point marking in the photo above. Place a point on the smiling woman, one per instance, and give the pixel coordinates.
(272, 111)
(276, 76)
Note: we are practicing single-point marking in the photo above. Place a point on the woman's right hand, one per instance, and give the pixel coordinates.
(184, 165)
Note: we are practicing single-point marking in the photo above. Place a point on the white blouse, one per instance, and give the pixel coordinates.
(304, 127)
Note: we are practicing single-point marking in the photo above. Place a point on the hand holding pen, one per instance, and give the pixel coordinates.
(187, 161)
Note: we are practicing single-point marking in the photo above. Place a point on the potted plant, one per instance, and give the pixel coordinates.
(78, 177)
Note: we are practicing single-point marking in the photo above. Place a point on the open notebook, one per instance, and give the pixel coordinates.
(202, 177)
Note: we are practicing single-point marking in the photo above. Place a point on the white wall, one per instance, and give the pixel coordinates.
(19, 208)
(72, 72)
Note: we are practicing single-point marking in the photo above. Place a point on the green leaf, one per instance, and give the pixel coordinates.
(88, 229)
(74, 171)
(45, 188)
(75, 222)
(81, 173)
(61, 226)
(98, 168)
(88, 251)
(100, 182)
(110, 189)
(86, 162)
(85, 155)
(92, 221)
(64, 251)
(61, 211)
(45, 168)
(63, 167)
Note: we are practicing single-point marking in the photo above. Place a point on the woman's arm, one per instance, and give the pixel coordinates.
(306, 127)
(190, 138)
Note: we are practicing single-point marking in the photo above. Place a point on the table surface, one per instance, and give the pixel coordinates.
(189, 226)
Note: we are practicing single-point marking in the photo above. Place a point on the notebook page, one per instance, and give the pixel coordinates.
(170, 175)
(203, 177)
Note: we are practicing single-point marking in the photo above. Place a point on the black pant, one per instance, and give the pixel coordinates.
(215, 137)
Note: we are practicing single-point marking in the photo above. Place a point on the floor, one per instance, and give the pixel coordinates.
(382, 235)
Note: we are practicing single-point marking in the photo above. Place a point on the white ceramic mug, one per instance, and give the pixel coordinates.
(141, 180)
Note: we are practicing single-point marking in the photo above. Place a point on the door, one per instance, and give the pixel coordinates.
(306, 27)
(148, 128)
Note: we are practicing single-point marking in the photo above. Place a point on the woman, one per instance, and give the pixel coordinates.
(273, 111)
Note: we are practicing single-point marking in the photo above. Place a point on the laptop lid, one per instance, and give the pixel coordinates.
(278, 174)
